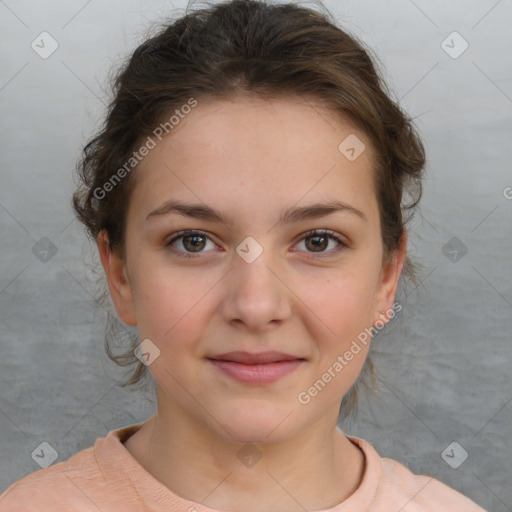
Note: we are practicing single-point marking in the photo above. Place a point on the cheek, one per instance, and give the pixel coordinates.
(338, 318)
(170, 303)
(340, 305)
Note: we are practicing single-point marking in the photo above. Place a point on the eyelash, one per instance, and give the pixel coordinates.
(309, 234)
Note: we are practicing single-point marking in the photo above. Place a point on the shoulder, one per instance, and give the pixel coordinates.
(56, 485)
(421, 492)
(399, 488)
(100, 477)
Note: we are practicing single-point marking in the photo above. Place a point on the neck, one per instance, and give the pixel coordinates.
(314, 469)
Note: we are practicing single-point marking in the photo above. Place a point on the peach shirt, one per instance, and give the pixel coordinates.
(106, 478)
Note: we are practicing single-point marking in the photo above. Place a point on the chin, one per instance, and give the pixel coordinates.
(253, 426)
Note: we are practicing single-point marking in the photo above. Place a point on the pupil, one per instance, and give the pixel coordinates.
(197, 240)
(316, 244)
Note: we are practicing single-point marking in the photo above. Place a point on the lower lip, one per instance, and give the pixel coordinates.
(257, 373)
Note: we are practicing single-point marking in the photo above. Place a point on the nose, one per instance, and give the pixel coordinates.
(255, 293)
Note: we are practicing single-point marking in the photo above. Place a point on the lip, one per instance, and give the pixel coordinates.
(257, 374)
(255, 358)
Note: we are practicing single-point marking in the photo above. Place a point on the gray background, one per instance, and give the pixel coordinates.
(444, 362)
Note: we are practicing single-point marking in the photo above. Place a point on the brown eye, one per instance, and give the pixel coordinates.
(317, 241)
(191, 242)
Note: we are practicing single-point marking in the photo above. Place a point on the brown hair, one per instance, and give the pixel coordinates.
(266, 50)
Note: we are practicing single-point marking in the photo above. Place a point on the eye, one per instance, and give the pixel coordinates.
(321, 238)
(191, 240)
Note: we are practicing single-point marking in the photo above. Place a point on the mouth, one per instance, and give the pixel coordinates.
(257, 369)
(255, 358)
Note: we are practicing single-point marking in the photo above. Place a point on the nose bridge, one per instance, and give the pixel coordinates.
(256, 295)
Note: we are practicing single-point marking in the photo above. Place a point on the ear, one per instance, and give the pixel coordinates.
(390, 275)
(118, 283)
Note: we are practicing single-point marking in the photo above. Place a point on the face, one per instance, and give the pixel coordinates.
(255, 280)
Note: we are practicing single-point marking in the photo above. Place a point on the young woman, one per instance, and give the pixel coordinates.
(247, 196)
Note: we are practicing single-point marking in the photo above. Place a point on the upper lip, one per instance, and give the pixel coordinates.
(255, 358)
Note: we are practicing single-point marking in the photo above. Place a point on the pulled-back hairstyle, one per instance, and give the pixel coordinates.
(268, 50)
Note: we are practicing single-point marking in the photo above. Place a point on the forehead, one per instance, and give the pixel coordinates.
(259, 152)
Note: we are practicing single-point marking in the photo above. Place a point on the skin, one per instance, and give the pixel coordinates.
(250, 158)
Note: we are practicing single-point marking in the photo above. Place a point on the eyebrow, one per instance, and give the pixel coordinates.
(288, 216)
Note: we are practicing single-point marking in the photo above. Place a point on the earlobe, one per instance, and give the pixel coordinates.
(390, 276)
(118, 283)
